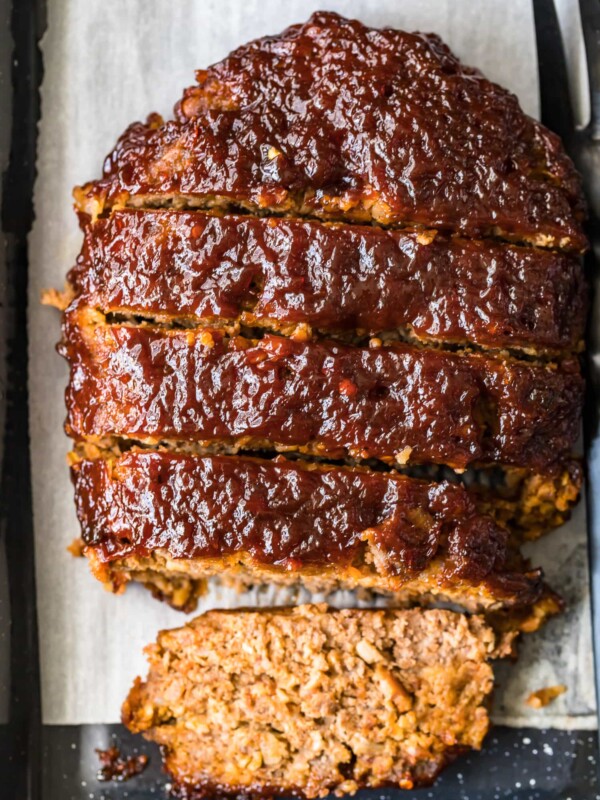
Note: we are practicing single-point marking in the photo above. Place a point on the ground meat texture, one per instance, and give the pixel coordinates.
(160, 517)
(399, 403)
(530, 504)
(310, 701)
(278, 273)
(336, 120)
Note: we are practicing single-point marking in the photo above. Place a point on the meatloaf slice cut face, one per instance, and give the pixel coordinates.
(397, 403)
(286, 275)
(172, 521)
(308, 701)
(339, 121)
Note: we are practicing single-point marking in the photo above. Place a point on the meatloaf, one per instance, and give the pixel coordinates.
(290, 275)
(397, 403)
(334, 120)
(310, 701)
(348, 247)
(171, 521)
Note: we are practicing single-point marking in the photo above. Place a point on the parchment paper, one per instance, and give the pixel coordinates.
(107, 63)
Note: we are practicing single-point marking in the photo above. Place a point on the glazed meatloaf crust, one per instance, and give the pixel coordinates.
(286, 275)
(338, 121)
(311, 701)
(171, 521)
(397, 403)
(349, 248)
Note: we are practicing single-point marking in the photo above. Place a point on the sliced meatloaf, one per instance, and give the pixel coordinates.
(339, 121)
(171, 521)
(348, 247)
(186, 268)
(309, 701)
(397, 403)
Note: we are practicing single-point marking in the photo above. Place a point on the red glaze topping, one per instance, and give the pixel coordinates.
(425, 405)
(337, 120)
(331, 277)
(287, 515)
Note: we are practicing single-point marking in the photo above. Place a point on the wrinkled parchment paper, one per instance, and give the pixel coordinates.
(107, 63)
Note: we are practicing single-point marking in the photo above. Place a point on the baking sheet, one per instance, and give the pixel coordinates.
(108, 63)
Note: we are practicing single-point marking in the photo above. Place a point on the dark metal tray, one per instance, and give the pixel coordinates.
(39, 762)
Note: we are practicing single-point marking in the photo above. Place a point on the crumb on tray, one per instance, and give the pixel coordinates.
(115, 767)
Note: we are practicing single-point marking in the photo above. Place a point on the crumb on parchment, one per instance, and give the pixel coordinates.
(76, 548)
(56, 298)
(543, 697)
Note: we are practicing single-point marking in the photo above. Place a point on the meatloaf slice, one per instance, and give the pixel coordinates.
(171, 521)
(397, 403)
(283, 274)
(339, 121)
(307, 701)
